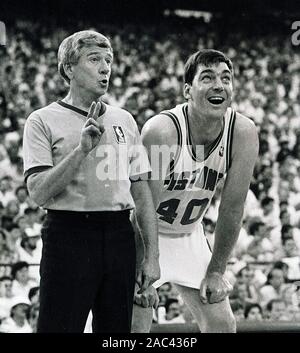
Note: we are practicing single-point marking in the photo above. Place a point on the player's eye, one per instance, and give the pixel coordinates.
(206, 78)
(226, 78)
(109, 61)
(94, 59)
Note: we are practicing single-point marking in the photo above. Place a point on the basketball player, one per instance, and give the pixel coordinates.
(183, 194)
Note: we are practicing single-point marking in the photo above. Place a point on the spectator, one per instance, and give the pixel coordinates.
(173, 312)
(260, 248)
(276, 310)
(33, 317)
(237, 309)
(163, 292)
(21, 193)
(32, 219)
(21, 280)
(253, 312)
(291, 258)
(17, 322)
(30, 251)
(6, 296)
(274, 287)
(33, 295)
(6, 193)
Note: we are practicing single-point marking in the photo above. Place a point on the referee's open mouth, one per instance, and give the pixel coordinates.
(103, 82)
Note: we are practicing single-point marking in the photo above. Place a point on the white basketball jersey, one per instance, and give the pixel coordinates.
(191, 183)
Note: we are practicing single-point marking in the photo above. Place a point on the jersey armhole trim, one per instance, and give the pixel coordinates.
(230, 139)
(175, 120)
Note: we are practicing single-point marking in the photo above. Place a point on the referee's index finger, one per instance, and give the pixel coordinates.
(91, 110)
(97, 110)
(92, 121)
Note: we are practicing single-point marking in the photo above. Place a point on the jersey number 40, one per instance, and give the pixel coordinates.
(167, 210)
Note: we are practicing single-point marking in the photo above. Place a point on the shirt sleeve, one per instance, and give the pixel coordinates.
(37, 150)
(139, 164)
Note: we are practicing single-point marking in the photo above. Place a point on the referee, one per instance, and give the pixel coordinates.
(85, 164)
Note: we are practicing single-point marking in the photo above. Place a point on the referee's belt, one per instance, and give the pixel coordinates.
(93, 216)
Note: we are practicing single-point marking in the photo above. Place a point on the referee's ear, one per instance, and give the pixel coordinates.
(68, 70)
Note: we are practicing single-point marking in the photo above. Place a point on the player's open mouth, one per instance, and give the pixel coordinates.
(216, 100)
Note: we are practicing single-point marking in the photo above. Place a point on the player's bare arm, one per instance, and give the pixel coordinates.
(157, 131)
(44, 185)
(214, 287)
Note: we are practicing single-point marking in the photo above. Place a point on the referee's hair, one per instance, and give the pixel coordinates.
(70, 48)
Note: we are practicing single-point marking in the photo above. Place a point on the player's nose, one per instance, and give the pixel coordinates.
(218, 84)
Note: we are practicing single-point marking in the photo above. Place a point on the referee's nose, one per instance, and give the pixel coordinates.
(104, 67)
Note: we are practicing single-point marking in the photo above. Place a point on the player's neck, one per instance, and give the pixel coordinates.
(204, 129)
(82, 102)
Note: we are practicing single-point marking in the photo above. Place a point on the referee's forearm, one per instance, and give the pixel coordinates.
(146, 218)
(45, 185)
(148, 225)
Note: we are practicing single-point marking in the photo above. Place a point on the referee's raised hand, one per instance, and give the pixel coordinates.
(92, 130)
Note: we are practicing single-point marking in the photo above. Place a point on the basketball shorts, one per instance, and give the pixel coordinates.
(183, 258)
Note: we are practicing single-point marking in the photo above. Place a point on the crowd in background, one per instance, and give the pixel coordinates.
(147, 78)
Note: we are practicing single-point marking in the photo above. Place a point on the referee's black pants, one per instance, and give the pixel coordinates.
(88, 262)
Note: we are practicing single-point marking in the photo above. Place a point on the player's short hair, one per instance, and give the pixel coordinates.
(70, 48)
(207, 57)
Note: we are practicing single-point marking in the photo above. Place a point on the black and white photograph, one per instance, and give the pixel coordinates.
(149, 169)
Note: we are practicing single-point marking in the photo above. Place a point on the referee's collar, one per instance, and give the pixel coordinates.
(80, 111)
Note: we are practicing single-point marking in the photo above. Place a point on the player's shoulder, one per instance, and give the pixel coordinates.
(244, 125)
(160, 129)
(245, 135)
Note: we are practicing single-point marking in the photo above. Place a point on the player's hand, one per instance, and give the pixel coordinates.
(92, 130)
(147, 273)
(147, 299)
(214, 288)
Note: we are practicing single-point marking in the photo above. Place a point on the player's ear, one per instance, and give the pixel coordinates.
(187, 91)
